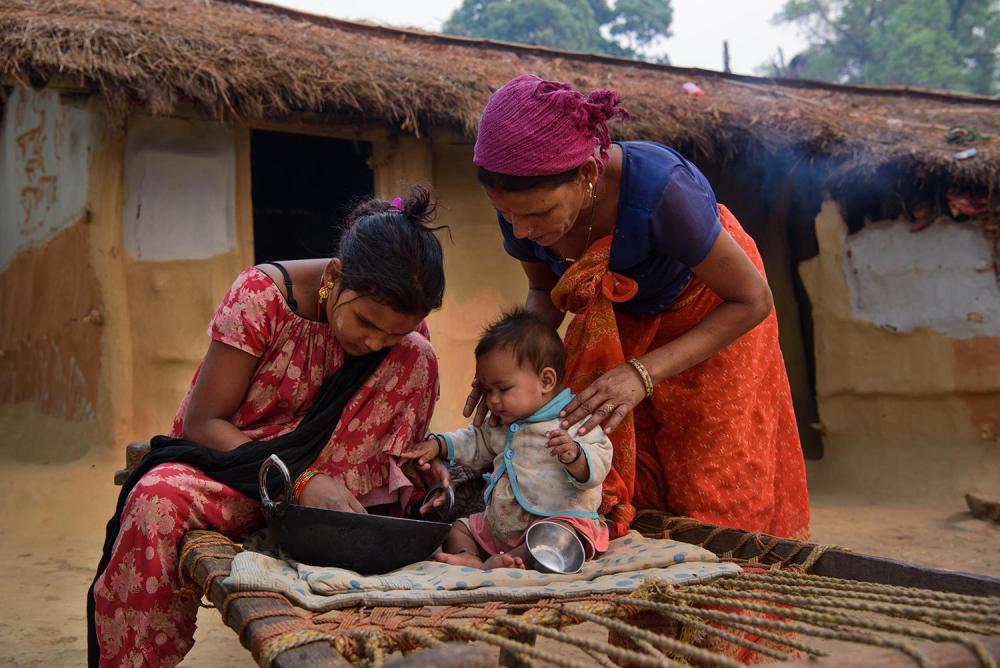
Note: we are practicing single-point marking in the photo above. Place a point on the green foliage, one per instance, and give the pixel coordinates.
(951, 44)
(627, 29)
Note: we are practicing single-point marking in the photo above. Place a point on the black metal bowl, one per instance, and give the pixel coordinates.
(367, 544)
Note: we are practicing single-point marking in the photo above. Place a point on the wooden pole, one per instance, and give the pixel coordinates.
(447, 655)
(834, 563)
(253, 615)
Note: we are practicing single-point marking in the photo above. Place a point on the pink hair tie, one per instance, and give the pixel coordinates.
(397, 203)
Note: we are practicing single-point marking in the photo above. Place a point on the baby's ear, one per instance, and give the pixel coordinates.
(549, 379)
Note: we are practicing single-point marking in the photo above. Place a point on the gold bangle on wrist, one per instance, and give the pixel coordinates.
(301, 482)
(647, 380)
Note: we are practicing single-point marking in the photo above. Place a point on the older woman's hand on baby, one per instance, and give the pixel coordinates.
(607, 400)
(476, 404)
(322, 491)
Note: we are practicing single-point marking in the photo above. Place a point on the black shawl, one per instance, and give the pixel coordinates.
(238, 468)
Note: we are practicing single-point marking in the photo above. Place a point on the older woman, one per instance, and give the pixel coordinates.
(325, 362)
(674, 342)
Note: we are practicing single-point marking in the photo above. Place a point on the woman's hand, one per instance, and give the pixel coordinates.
(322, 491)
(433, 474)
(476, 404)
(607, 400)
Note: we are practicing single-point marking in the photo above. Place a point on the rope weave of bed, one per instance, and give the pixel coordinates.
(772, 614)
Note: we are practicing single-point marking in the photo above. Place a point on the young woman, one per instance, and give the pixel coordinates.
(674, 345)
(326, 362)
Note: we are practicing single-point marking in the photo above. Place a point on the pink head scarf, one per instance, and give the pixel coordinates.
(533, 127)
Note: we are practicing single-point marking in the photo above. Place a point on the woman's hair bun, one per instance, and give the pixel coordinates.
(389, 252)
(417, 207)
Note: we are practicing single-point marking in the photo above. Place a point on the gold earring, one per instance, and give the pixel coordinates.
(591, 192)
(324, 291)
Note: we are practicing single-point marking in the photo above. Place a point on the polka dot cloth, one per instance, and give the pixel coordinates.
(629, 562)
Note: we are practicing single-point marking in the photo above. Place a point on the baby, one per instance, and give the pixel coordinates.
(539, 472)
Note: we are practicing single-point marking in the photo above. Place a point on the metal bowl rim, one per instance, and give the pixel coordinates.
(285, 508)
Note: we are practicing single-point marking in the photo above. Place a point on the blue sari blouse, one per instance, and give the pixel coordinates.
(667, 222)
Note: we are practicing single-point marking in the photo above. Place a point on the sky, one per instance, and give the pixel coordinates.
(699, 26)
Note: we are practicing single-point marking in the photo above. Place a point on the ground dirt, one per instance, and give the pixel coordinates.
(54, 521)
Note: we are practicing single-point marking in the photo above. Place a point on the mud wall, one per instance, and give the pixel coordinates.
(186, 234)
(52, 310)
(482, 280)
(908, 359)
(109, 274)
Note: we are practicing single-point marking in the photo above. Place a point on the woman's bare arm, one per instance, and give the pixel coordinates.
(746, 300)
(221, 386)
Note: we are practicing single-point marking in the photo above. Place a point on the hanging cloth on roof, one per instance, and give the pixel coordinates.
(964, 134)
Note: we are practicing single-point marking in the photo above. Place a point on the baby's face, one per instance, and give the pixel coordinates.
(512, 391)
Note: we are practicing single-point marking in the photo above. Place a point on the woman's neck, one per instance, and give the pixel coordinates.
(307, 278)
(608, 191)
(598, 220)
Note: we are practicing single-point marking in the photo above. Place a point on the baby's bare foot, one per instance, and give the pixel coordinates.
(503, 561)
(460, 559)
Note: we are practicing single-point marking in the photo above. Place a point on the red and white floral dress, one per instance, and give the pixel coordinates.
(142, 618)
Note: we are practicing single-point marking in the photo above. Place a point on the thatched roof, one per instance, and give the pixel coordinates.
(244, 61)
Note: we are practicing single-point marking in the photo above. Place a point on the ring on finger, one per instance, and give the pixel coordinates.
(609, 408)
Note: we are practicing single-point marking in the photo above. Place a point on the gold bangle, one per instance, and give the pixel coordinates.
(647, 380)
(301, 482)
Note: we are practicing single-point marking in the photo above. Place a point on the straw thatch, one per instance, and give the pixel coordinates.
(246, 62)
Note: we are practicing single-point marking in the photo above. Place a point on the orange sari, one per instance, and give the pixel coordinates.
(718, 441)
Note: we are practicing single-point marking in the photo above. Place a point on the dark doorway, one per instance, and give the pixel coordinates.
(302, 186)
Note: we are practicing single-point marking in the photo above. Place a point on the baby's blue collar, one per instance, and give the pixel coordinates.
(550, 411)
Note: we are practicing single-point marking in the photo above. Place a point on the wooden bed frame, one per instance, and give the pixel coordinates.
(256, 617)
(205, 563)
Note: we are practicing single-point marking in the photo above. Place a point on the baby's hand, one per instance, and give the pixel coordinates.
(424, 452)
(561, 446)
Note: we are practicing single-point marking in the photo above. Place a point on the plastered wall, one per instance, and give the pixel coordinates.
(908, 359)
(180, 181)
(482, 279)
(45, 152)
(52, 310)
(186, 234)
(109, 293)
